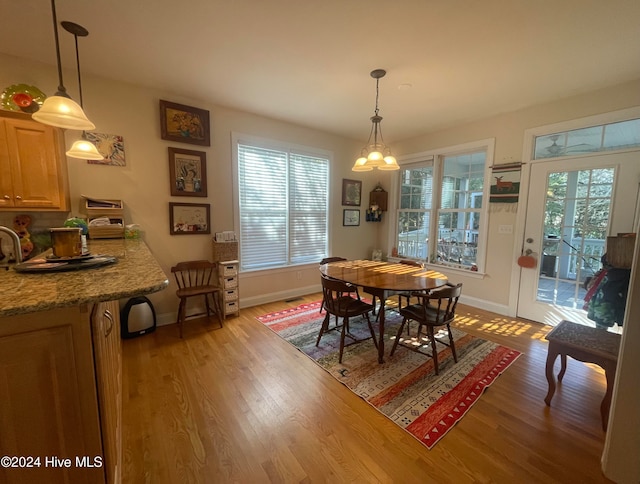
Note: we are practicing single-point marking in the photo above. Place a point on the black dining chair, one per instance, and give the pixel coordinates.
(435, 309)
(343, 301)
(327, 260)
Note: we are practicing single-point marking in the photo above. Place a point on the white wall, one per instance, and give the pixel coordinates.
(143, 184)
(494, 291)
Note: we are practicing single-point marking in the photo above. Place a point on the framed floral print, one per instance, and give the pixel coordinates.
(351, 192)
(189, 218)
(188, 173)
(184, 124)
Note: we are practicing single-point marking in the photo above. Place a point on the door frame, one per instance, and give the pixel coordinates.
(525, 175)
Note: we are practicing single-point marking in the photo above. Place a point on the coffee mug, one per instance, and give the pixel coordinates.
(66, 241)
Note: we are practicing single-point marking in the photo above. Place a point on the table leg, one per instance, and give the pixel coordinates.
(551, 359)
(381, 332)
(563, 366)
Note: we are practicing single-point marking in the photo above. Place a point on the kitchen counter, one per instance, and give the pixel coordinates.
(135, 273)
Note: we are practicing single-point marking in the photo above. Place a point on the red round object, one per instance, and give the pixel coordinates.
(22, 99)
(527, 261)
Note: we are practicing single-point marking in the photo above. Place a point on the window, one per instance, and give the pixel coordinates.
(441, 200)
(605, 137)
(283, 205)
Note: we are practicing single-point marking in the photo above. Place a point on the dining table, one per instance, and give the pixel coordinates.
(382, 279)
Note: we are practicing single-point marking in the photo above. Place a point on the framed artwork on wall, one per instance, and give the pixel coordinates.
(184, 124)
(351, 192)
(351, 217)
(189, 218)
(111, 146)
(188, 173)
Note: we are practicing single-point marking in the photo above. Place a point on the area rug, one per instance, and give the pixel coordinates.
(405, 387)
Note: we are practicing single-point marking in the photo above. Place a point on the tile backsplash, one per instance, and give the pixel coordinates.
(38, 229)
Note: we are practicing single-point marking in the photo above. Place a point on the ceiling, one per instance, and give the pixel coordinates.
(308, 62)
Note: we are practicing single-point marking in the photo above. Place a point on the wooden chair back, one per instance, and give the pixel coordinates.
(326, 260)
(336, 295)
(191, 274)
(440, 304)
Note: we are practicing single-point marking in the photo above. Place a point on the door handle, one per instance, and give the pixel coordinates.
(109, 317)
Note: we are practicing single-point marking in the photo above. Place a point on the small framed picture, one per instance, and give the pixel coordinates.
(351, 192)
(351, 217)
(184, 124)
(188, 173)
(189, 218)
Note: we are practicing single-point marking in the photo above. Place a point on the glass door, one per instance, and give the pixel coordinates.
(573, 205)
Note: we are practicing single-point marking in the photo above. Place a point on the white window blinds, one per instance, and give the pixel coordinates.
(283, 202)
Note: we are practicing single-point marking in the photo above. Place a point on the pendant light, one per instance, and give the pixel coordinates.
(82, 148)
(60, 110)
(376, 154)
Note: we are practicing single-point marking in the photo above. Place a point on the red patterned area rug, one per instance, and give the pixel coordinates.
(405, 387)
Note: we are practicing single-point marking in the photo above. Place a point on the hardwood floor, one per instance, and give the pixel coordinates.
(239, 404)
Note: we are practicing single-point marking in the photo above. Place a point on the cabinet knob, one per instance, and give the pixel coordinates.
(7, 197)
(18, 197)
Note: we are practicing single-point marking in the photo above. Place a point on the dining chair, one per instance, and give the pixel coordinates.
(435, 309)
(342, 300)
(194, 280)
(327, 260)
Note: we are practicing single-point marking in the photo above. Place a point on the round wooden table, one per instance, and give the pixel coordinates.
(381, 278)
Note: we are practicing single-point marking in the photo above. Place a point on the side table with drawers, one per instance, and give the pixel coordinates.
(228, 281)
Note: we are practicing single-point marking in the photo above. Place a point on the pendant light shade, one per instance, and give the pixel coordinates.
(60, 110)
(376, 154)
(84, 150)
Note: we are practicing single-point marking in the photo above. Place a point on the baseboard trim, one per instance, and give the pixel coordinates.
(170, 318)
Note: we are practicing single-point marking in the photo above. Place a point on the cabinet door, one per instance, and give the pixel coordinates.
(6, 183)
(107, 348)
(37, 166)
(48, 405)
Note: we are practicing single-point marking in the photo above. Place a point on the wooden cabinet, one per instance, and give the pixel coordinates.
(61, 387)
(107, 349)
(33, 172)
(48, 406)
(379, 197)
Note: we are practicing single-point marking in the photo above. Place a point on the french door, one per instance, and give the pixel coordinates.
(573, 205)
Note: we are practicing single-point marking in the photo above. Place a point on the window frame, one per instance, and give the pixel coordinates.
(435, 158)
(290, 148)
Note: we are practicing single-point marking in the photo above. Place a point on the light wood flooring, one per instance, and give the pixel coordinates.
(241, 405)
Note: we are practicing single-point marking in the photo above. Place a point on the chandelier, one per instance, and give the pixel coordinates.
(376, 154)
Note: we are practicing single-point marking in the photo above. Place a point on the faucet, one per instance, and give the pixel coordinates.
(17, 250)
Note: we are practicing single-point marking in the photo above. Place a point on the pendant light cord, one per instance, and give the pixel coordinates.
(61, 88)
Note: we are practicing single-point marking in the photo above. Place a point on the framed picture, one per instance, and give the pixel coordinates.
(188, 173)
(184, 124)
(189, 218)
(111, 146)
(351, 192)
(351, 217)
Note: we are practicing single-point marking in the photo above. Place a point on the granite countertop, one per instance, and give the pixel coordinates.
(135, 273)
